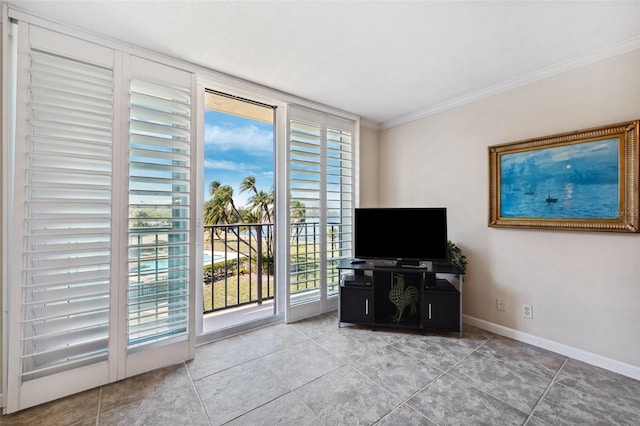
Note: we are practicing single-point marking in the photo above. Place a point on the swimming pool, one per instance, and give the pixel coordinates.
(163, 264)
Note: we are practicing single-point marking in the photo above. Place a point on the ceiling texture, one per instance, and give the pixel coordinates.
(387, 61)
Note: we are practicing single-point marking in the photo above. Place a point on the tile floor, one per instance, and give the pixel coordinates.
(315, 373)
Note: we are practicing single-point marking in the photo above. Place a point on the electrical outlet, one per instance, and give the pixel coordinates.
(527, 311)
(500, 304)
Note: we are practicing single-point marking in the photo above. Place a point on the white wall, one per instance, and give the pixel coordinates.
(368, 167)
(584, 287)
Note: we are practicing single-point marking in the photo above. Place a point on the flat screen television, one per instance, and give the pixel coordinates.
(407, 235)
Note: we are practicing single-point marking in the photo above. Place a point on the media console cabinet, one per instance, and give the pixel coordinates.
(391, 295)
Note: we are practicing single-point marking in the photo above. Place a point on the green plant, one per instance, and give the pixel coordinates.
(456, 257)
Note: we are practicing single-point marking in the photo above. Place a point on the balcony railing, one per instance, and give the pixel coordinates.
(239, 270)
(239, 251)
(239, 263)
(305, 260)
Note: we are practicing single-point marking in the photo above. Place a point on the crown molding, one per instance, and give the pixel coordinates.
(611, 51)
(369, 124)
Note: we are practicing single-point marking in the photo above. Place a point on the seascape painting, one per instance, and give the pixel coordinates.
(584, 180)
(575, 181)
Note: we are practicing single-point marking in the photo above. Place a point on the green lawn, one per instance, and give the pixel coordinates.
(245, 284)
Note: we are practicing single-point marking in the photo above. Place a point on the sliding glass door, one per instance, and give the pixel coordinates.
(239, 212)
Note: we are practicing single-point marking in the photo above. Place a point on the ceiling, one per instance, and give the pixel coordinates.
(386, 61)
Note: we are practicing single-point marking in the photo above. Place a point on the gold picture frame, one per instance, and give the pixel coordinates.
(585, 180)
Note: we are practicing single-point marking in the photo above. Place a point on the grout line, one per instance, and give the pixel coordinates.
(443, 372)
(99, 406)
(406, 401)
(409, 407)
(291, 390)
(306, 339)
(370, 380)
(248, 360)
(270, 401)
(305, 404)
(546, 390)
(344, 364)
(195, 388)
(530, 414)
(507, 362)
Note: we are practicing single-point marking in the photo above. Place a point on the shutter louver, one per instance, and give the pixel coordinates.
(159, 209)
(339, 202)
(67, 235)
(305, 193)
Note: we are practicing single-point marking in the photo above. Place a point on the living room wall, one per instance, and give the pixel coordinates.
(584, 286)
(368, 178)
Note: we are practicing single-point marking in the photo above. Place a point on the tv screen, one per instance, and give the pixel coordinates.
(413, 234)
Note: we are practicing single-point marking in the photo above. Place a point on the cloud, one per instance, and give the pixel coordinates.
(237, 167)
(248, 138)
(221, 164)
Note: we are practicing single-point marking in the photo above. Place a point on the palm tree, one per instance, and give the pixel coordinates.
(262, 204)
(259, 199)
(251, 216)
(221, 209)
(224, 193)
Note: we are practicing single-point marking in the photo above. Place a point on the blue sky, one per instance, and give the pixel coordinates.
(237, 147)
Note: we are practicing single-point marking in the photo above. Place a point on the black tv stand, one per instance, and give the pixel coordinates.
(408, 262)
(384, 263)
(399, 295)
(396, 263)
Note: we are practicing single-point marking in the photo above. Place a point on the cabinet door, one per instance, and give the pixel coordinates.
(397, 296)
(441, 310)
(356, 304)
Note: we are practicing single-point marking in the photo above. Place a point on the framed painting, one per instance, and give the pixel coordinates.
(585, 180)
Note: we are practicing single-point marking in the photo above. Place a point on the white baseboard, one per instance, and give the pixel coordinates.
(560, 348)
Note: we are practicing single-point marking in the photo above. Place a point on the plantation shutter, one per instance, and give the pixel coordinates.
(159, 275)
(100, 284)
(320, 208)
(305, 208)
(60, 268)
(340, 196)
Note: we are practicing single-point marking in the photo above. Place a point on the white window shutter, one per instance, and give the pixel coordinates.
(60, 275)
(96, 292)
(68, 206)
(160, 287)
(340, 196)
(321, 191)
(305, 207)
(159, 191)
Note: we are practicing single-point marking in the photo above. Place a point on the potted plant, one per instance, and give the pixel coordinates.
(456, 257)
